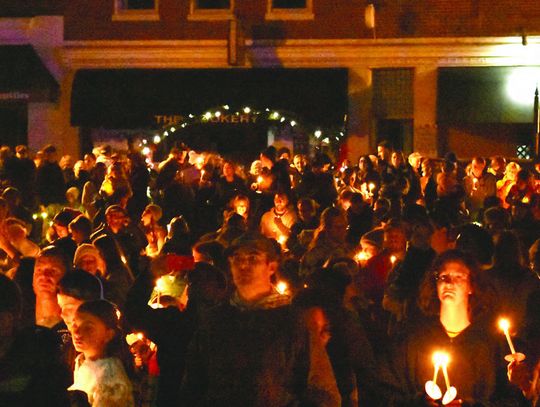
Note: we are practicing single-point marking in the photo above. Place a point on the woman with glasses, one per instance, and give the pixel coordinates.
(451, 299)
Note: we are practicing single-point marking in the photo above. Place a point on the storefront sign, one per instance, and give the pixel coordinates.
(14, 96)
(232, 118)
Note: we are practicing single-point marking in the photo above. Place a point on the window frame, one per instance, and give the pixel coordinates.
(123, 14)
(305, 13)
(198, 14)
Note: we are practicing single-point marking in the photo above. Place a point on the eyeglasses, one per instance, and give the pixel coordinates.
(248, 258)
(452, 278)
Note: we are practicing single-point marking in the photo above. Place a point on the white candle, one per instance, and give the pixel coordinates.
(504, 324)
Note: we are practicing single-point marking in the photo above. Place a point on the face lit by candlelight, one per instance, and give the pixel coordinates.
(453, 283)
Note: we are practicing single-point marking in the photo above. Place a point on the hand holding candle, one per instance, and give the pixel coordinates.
(504, 325)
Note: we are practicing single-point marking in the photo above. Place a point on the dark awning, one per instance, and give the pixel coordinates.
(130, 98)
(484, 95)
(23, 75)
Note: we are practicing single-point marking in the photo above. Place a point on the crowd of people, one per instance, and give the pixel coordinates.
(293, 281)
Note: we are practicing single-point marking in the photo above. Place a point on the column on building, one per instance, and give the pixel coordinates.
(359, 116)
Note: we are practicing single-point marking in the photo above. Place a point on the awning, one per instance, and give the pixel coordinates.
(131, 98)
(24, 77)
(486, 94)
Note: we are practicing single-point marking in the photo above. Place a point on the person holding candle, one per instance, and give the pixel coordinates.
(451, 298)
(99, 368)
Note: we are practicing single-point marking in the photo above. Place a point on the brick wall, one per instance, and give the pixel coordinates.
(333, 19)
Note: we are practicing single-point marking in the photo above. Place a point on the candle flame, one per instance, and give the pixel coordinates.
(282, 287)
(282, 239)
(504, 324)
(160, 284)
(440, 359)
(140, 336)
(361, 256)
(393, 259)
(371, 186)
(259, 179)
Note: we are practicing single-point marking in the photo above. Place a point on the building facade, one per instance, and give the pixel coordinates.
(412, 66)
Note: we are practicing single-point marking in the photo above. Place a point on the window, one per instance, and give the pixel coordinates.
(211, 10)
(289, 10)
(134, 10)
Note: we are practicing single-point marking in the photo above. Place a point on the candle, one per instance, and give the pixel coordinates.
(259, 179)
(160, 286)
(282, 239)
(440, 361)
(393, 259)
(504, 324)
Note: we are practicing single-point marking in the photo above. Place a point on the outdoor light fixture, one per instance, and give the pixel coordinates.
(521, 85)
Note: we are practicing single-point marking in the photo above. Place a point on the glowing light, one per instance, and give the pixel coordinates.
(44, 215)
(146, 150)
(123, 258)
(35, 216)
(267, 109)
(157, 139)
(275, 115)
(140, 336)
(318, 133)
(160, 284)
(207, 115)
(173, 129)
(246, 109)
(183, 125)
(259, 179)
(165, 133)
(190, 116)
(226, 107)
(293, 123)
(217, 114)
(440, 359)
(282, 239)
(282, 287)
(393, 259)
(145, 141)
(521, 85)
(361, 256)
(326, 140)
(282, 120)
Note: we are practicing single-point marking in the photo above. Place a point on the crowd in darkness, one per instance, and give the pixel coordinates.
(296, 281)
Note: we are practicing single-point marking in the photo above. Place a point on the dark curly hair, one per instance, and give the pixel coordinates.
(428, 300)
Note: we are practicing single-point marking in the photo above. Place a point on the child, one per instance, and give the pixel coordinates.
(98, 369)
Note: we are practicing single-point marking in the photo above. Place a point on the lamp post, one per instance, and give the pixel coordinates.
(536, 121)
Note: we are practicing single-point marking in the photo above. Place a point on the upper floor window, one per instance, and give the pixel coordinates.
(289, 10)
(133, 10)
(211, 10)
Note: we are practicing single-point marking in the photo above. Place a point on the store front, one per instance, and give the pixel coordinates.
(487, 109)
(253, 106)
(23, 80)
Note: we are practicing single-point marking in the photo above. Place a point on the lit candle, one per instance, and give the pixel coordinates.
(504, 324)
(393, 260)
(160, 286)
(259, 180)
(282, 287)
(282, 239)
(360, 256)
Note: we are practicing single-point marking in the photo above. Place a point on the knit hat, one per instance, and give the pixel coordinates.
(65, 216)
(83, 250)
